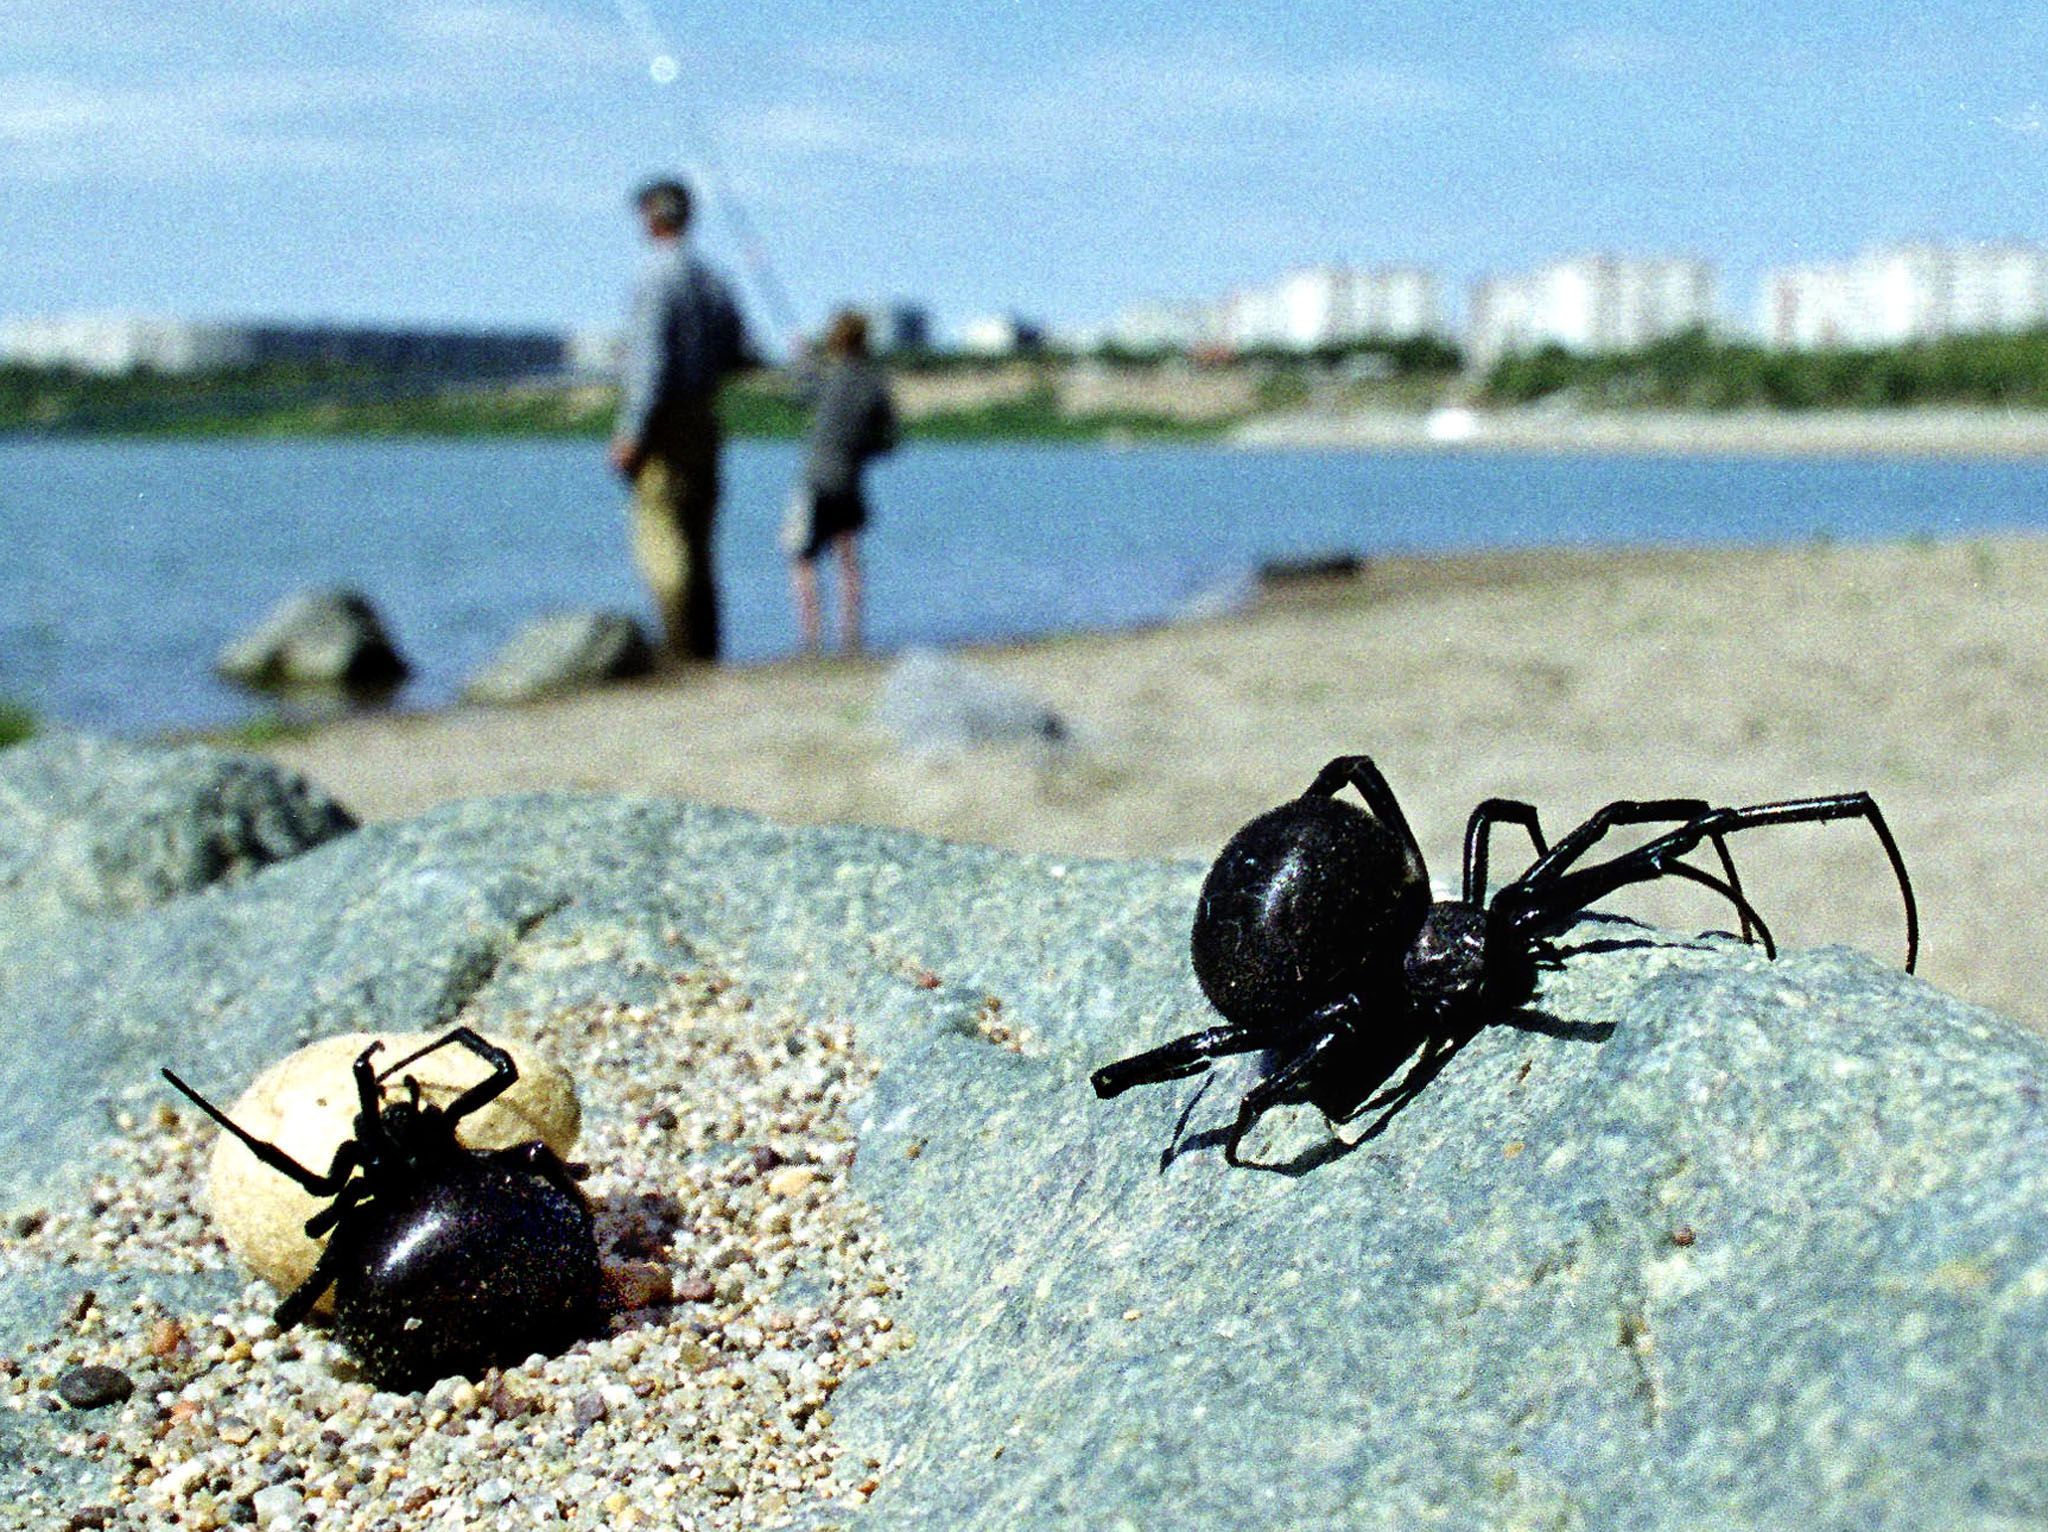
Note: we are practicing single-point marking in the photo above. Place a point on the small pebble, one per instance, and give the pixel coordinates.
(91, 1388)
(695, 1290)
(792, 1180)
(639, 1284)
(280, 1502)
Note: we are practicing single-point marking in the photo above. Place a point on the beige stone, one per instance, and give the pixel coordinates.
(306, 1105)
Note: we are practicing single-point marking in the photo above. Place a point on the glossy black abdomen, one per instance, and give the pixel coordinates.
(1303, 902)
(480, 1263)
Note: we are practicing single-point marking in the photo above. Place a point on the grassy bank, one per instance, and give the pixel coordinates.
(301, 403)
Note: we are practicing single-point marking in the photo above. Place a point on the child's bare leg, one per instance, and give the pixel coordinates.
(849, 592)
(803, 580)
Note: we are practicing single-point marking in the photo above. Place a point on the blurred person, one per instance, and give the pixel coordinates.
(853, 419)
(684, 337)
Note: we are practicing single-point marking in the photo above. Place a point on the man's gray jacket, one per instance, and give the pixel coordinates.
(684, 336)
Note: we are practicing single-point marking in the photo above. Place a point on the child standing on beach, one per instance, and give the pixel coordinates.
(853, 419)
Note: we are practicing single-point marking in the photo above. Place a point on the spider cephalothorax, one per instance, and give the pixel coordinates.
(1316, 926)
(443, 1259)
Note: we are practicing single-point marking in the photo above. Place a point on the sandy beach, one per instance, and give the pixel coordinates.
(1568, 678)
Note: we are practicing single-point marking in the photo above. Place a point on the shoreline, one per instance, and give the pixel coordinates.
(1904, 433)
(1961, 432)
(1564, 677)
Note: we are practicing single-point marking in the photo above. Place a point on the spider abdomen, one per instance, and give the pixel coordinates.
(1304, 900)
(480, 1263)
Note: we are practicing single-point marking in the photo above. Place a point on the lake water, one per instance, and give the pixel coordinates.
(124, 566)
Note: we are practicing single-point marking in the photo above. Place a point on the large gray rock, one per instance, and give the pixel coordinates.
(331, 639)
(1700, 1240)
(935, 702)
(95, 827)
(563, 653)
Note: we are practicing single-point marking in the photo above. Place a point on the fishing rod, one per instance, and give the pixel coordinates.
(664, 70)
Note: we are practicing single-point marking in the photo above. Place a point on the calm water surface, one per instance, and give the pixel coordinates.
(124, 566)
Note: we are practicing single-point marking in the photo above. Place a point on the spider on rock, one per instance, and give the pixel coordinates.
(443, 1259)
(1315, 928)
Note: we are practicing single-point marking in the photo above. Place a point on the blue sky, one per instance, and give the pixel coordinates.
(466, 161)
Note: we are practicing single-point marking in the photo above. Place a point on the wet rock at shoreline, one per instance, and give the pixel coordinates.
(319, 639)
(101, 827)
(563, 653)
(935, 702)
(1695, 1239)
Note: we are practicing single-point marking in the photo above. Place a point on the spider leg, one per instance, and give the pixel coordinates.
(268, 1153)
(1733, 894)
(538, 1159)
(485, 1091)
(1632, 812)
(1532, 904)
(1479, 830)
(1190, 1055)
(1360, 773)
(347, 1193)
(1176, 1060)
(1279, 1086)
(299, 1302)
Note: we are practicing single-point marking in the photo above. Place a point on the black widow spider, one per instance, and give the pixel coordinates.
(1315, 927)
(443, 1259)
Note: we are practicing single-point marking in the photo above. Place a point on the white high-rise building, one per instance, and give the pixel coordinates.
(1306, 309)
(117, 343)
(1900, 294)
(1590, 304)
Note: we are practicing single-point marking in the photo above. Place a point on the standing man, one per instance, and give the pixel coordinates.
(684, 338)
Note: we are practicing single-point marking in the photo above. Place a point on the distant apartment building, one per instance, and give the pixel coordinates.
(1589, 304)
(1001, 335)
(1900, 294)
(894, 328)
(593, 353)
(1304, 310)
(110, 344)
(118, 343)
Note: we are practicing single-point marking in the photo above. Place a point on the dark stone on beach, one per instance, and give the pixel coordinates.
(98, 827)
(563, 653)
(1311, 569)
(1698, 1239)
(934, 702)
(320, 639)
(93, 1388)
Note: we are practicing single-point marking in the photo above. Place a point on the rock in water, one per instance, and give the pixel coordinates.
(1697, 1240)
(321, 639)
(936, 702)
(563, 653)
(91, 826)
(306, 1105)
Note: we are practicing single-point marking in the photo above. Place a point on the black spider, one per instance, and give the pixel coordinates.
(1315, 928)
(443, 1259)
